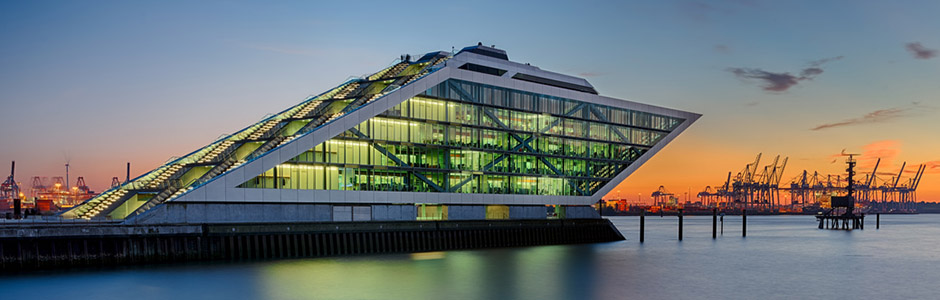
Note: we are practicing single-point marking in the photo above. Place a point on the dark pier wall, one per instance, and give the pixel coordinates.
(27, 248)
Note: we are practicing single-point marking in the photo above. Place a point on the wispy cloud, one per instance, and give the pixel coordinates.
(817, 63)
(773, 82)
(882, 115)
(933, 167)
(878, 116)
(781, 81)
(886, 150)
(723, 49)
(919, 51)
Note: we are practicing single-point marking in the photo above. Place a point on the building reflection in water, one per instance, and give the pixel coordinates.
(550, 272)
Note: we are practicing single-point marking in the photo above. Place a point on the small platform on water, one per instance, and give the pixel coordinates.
(847, 219)
(843, 222)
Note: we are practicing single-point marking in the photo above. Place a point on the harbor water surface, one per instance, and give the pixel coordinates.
(782, 257)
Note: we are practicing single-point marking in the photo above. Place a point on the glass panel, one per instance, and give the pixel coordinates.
(457, 144)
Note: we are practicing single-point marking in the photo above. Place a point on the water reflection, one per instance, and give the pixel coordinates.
(428, 255)
(551, 272)
(783, 257)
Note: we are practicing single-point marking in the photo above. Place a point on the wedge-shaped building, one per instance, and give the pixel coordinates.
(465, 136)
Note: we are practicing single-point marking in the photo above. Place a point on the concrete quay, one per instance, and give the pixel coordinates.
(35, 246)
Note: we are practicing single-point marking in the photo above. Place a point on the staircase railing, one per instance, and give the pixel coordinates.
(114, 205)
(229, 150)
(158, 199)
(227, 160)
(215, 171)
(273, 131)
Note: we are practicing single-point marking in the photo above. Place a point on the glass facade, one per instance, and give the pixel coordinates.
(464, 137)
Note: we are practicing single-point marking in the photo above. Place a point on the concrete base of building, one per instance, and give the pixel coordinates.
(217, 213)
(50, 246)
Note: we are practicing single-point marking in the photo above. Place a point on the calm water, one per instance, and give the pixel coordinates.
(783, 257)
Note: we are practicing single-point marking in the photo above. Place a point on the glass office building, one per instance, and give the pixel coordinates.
(470, 135)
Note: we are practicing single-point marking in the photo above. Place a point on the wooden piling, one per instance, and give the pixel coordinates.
(722, 219)
(878, 221)
(642, 223)
(744, 223)
(714, 223)
(680, 224)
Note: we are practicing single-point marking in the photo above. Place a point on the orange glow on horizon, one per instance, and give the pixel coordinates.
(679, 172)
(688, 164)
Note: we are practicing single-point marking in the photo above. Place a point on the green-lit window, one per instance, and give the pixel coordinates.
(598, 132)
(602, 110)
(468, 153)
(641, 137)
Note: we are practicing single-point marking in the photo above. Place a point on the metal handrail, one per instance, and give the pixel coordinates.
(257, 154)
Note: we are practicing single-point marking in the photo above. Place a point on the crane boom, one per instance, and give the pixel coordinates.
(873, 172)
(728, 181)
(753, 168)
(780, 174)
(896, 179)
(920, 174)
(773, 172)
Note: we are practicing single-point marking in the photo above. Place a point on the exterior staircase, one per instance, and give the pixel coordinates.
(346, 90)
(217, 151)
(101, 204)
(222, 156)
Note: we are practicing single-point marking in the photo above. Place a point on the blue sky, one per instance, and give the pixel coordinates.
(101, 83)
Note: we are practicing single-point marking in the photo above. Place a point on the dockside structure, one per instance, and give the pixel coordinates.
(465, 136)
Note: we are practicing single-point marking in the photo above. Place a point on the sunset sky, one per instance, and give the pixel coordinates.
(101, 83)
